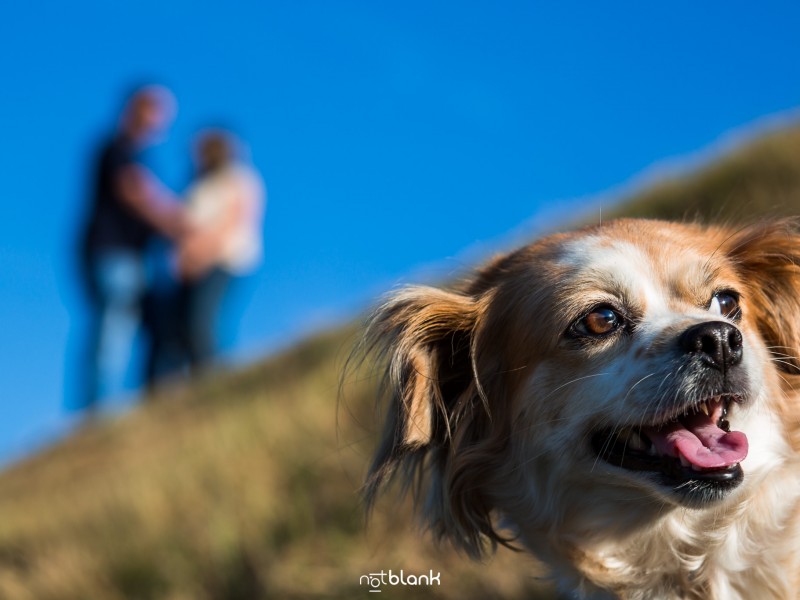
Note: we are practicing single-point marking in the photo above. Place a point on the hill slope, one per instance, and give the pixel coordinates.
(245, 485)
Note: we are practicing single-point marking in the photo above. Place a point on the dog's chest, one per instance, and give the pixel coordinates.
(691, 558)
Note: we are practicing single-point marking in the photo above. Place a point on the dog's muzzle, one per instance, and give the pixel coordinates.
(689, 447)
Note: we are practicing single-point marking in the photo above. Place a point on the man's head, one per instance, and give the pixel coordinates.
(148, 111)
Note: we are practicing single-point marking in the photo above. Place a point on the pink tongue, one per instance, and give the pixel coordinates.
(698, 439)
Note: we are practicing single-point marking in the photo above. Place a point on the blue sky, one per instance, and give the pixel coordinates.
(392, 137)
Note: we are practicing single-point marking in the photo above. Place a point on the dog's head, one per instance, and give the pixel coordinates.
(593, 379)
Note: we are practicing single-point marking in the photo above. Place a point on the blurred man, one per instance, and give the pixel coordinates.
(129, 205)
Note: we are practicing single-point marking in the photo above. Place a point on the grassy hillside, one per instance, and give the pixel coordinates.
(245, 485)
(760, 178)
(242, 486)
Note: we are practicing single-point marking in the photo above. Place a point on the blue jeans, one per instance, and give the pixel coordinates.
(117, 282)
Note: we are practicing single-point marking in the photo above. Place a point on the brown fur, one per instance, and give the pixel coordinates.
(489, 404)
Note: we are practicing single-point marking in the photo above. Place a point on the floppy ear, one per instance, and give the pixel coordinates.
(767, 256)
(438, 431)
(423, 335)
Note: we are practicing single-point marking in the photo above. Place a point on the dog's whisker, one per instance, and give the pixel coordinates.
(783, 362)
(648, 376)
(573, 381)
(784, 357)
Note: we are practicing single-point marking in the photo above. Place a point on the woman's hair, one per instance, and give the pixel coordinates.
(215, 149)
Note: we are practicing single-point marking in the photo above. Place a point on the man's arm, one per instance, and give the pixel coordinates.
(143, 193)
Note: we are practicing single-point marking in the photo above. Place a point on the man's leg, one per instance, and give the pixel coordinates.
(119, 280)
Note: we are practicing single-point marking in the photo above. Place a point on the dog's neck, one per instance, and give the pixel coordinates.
(688, 554)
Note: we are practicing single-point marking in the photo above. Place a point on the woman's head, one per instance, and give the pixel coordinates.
(214, 149)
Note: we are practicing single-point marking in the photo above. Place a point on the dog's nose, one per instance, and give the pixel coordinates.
(717, 343)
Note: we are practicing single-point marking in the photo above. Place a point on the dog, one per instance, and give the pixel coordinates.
(621, 400)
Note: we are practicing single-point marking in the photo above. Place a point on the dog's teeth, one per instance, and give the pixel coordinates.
(684, 462)
(635, 442)
(704, 408)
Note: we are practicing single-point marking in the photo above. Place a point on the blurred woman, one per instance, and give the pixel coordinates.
(224, 213)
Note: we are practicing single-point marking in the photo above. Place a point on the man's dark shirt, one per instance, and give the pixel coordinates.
(112, 224)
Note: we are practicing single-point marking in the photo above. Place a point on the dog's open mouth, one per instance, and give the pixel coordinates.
(697, 448)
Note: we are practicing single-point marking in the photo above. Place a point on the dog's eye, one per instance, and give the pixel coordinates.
(726, 304)
(603, 320)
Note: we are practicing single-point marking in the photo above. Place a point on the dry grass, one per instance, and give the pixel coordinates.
(242, 486)
(246, 485)
(761, 178)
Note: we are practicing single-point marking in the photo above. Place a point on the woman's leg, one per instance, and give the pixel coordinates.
(204, 299)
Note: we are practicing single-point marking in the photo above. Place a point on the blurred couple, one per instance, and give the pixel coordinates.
(213, 236)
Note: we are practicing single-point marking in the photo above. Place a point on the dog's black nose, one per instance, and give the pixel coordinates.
(717, 343)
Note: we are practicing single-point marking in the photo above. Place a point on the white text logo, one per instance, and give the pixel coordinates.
(375, 581)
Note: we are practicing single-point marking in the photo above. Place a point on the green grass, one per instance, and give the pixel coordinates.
(246, 485)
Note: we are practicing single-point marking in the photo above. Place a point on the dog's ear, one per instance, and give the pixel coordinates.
(767, 256)
(438, 416)
(422, 336)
